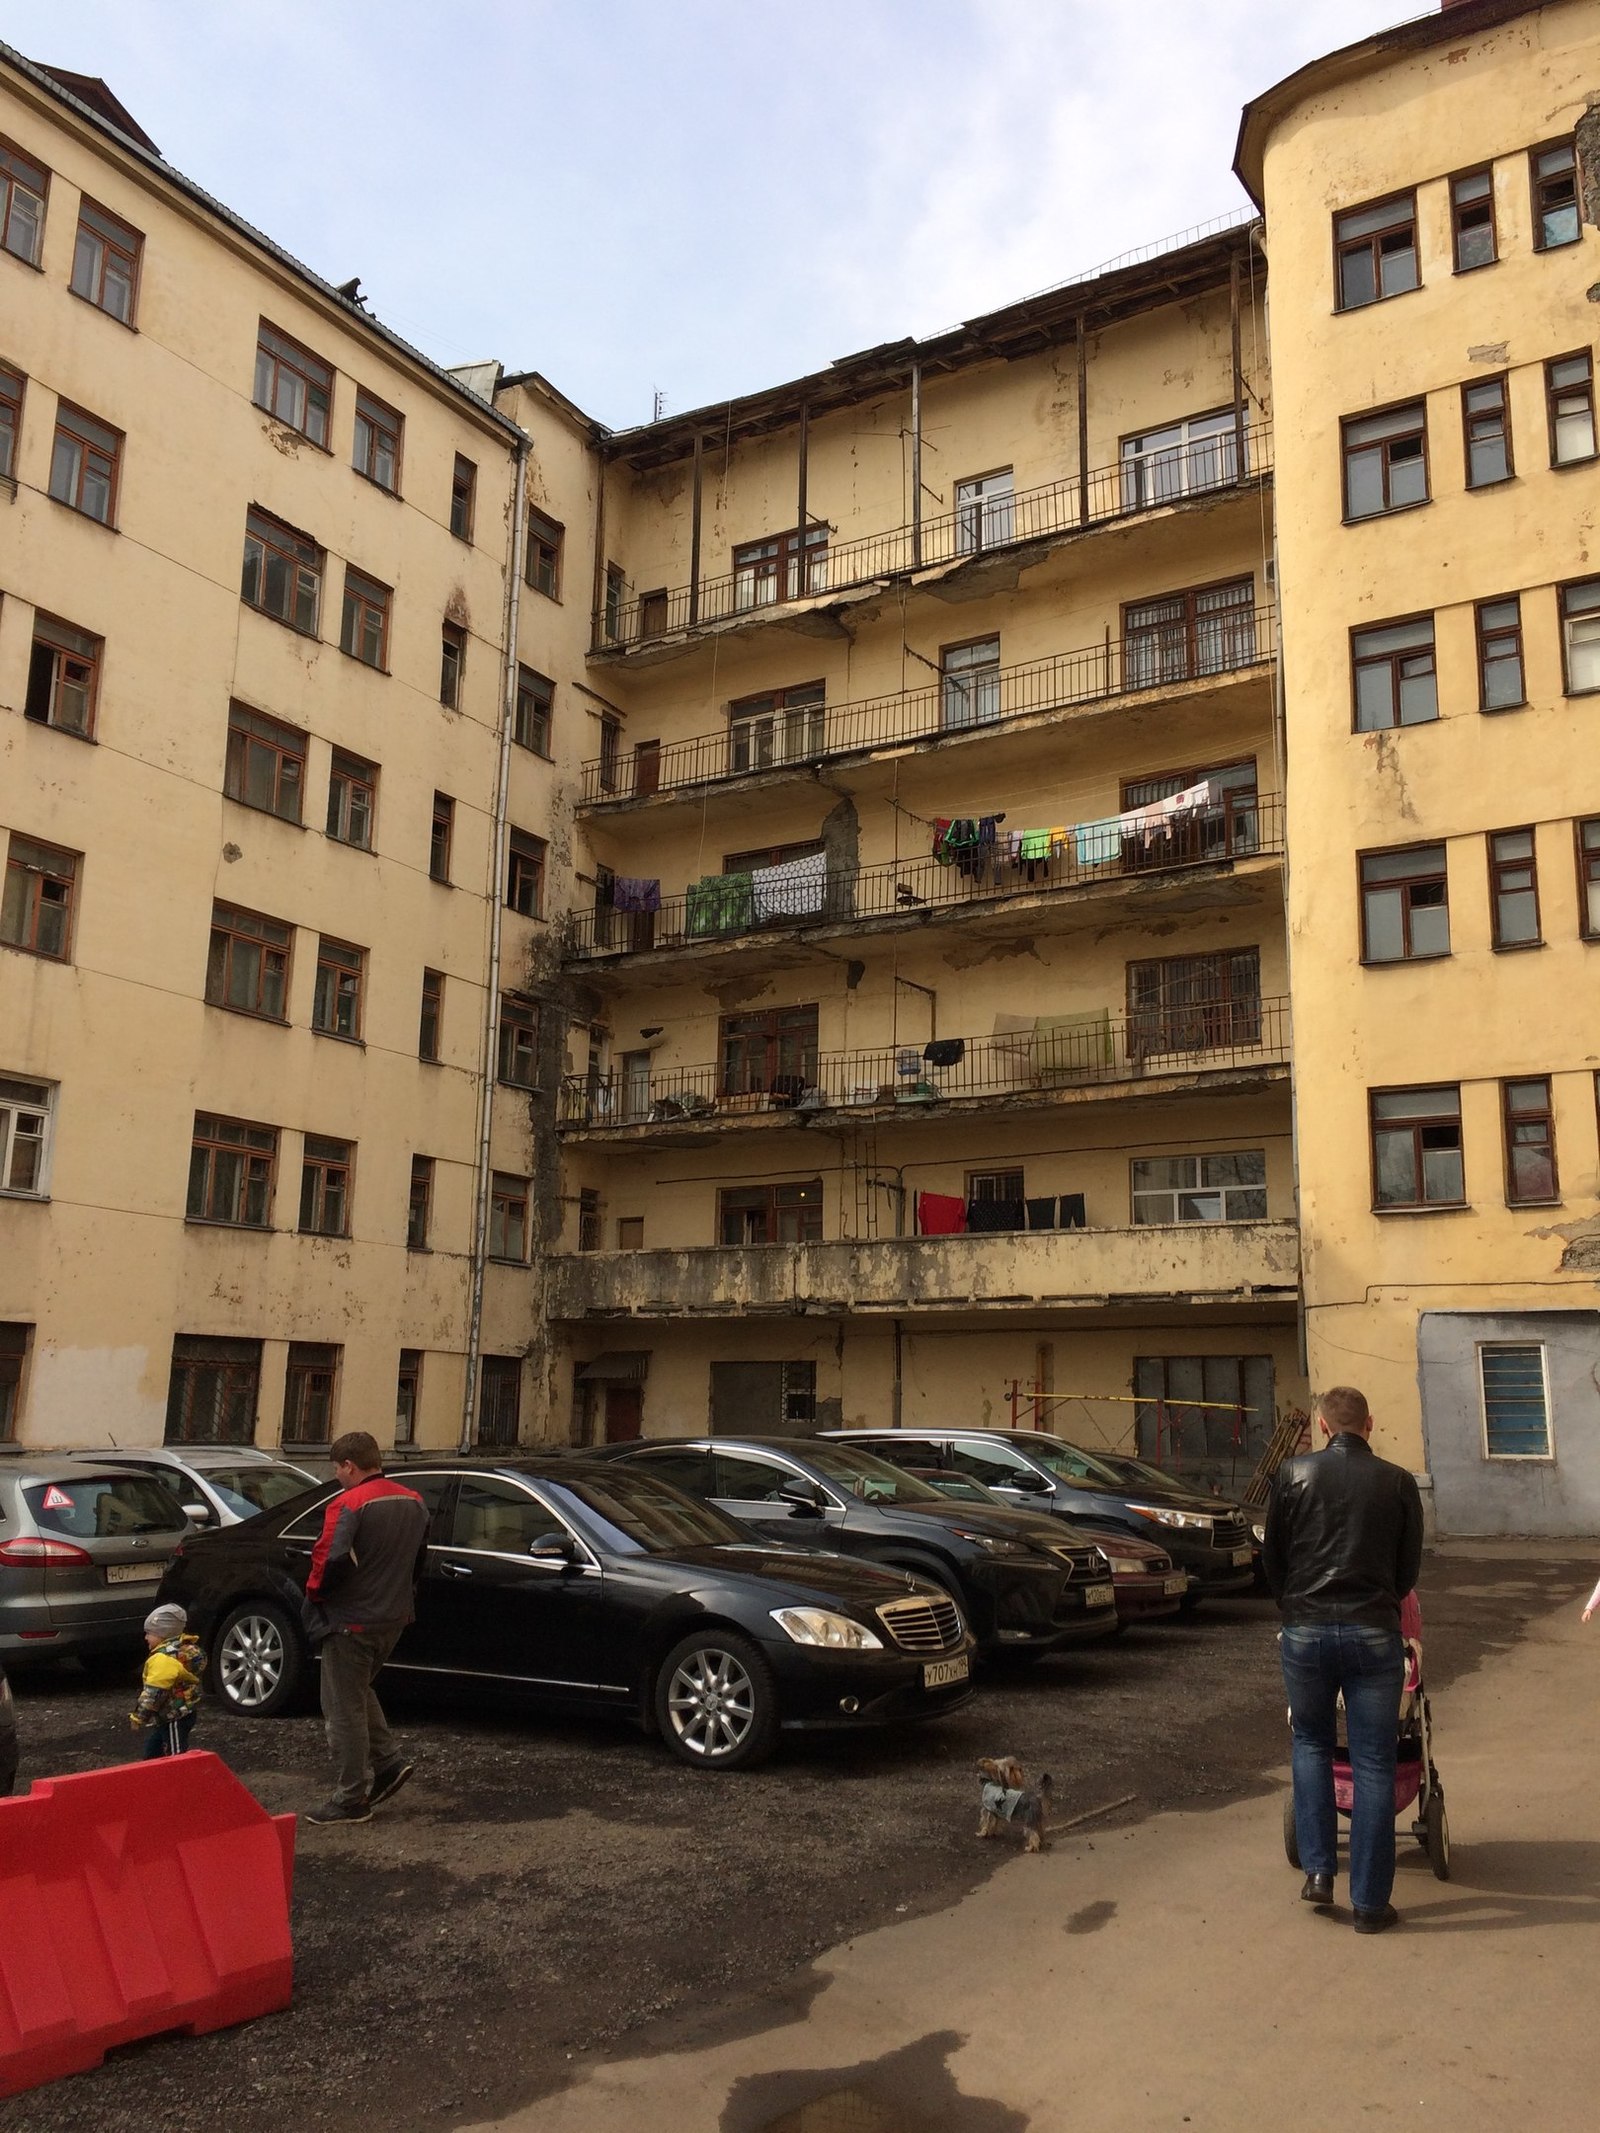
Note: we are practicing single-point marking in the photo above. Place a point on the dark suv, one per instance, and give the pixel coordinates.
(1205, 1535)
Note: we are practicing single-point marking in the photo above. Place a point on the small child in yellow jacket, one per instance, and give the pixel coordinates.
(169, 1700)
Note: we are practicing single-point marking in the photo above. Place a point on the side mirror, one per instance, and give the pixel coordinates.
(803, 1497)
(1034, 1484)
(199, 1514)
(554, 1548)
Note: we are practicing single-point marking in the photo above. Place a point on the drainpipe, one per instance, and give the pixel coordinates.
(491, 1004)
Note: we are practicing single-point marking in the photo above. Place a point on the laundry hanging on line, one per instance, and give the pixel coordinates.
(633, 893)
(945, 1051)
(940, 1214)
(792, 889)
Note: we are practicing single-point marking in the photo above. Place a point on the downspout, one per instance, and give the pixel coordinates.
(491, 990)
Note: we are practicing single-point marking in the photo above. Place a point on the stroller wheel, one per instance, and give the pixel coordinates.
(1436, 1836)
(1291, 1843)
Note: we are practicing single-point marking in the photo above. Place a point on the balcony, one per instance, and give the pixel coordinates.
(1189, 473)
(1200, 1263)
(797, 740)
(1044, 1060)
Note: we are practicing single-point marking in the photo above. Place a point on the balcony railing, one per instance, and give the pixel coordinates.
(1240, 825)
(973, 703)
(1047, 1056)
(1201, 466)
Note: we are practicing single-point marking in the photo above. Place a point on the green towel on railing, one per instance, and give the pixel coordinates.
(719, 903)
(1068, 1045)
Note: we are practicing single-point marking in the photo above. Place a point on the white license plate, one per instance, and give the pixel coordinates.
(1100, 1596)
(1176, 1587)
(1241, 1556)
(134, 1573)
(939, 1673)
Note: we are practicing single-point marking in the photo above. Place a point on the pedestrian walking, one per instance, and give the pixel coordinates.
(1343, 1544)
(169, 1695)
(1592, 1603)
(360, 1595)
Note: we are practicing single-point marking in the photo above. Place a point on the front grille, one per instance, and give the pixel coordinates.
(1085, 1566)
(1229, 1530)
(922, 1625)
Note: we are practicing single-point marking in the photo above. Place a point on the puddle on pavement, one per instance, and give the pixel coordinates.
(845, 2111)
(1092, 1917)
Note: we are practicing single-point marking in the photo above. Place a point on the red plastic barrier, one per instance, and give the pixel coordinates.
(151, 1897)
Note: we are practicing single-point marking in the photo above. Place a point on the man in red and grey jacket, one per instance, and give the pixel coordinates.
(359, 1597)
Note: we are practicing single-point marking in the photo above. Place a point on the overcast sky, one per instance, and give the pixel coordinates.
(696, 196)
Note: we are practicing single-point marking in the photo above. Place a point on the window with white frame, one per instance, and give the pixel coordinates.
(26, 1111)
(1181, 459)
(1516, 1400)
(1200, 1188)
(986, 514)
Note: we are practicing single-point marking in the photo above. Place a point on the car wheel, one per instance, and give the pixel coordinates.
(1436, 1836)
(1291, 1843)
(716, 1702)
(258, 1660)
(1189, 1602)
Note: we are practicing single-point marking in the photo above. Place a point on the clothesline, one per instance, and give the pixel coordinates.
(969, 842)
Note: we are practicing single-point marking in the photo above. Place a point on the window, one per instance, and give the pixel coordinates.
(26, 1111)
(768, 571)
(969, 684)
(266, 763)
(408, 1396)
(1569, 396)
(212, 1392)
(518, 1062)
(41, 889)
(1405, 905)
(1200, 1188)
(377, 442)
(775, 1050)
(1588, 841)
(1005, 1185)
(1228, 825)
(432, 1014)
(1530, 1131)
(22, 189)
(14, 1341)
(1376, 248)
(463, 494)
(1554, 176)
(293, 384)
(616, 590)
(1516, 1402)
(310, 1388)
(536, 695)
(544, 555)
(591, 1232)
(1183, 459)
(325, 1186)
(11, 384)
(1194, 1003)
(1500, 682)
(610, 752)
(525, 874)
(1203, 1407)
(352, 800)
(63, 676)
(419, 1209)
(499, 1399)
(1385, 460)
(1211, 630)
(231, 1165)
(1395, 682)
(364, 633)
(247, 967)
(440, 836)
(336, 1003)
(508, 1217)
(1486, 420)
(630, 1233)
(779, 726)
(105, 261)
(770, 1214)
(1580, 635)
(1416, 1148)
(1513, 889)
(452, 664)
(986, 512)
(84, 464)
(1472, 231)
(282, 572)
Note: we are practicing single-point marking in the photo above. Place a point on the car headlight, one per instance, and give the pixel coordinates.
(1123, 1566)
(990, 1545)
(1197, 1521)
(1260, 1534)
(814, 1625)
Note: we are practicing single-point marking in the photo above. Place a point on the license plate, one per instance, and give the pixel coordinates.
(134, 1573)
(939, 1673)
(1176, 1587)
(1241, 1556)
(1100, 1596)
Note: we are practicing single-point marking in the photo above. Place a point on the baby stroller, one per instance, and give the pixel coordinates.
(1416, 1781)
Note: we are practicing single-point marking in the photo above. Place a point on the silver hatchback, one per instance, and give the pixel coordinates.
(82, 1549)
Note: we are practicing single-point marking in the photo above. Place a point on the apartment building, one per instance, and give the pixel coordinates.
(1430, 203)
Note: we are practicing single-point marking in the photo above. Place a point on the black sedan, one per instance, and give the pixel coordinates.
(1026, 1583)
(593, 1587)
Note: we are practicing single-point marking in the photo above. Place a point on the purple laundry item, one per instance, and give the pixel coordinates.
(630, 893)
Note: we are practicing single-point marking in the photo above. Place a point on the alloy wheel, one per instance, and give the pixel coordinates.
(251, 1660)
(711, 1702)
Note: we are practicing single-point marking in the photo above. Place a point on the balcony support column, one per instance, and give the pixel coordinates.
(916, 466)
(1238, 369)
(598, 596)
(1083, 424)
(694, 529)
(800, 513)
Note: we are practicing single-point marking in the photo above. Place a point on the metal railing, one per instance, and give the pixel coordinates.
(1201, 466)
(1240, 825)
(972, 703)
(1059, 1052)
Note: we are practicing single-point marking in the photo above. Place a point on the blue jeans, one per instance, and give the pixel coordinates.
(170, 1738)
(1319, 1660)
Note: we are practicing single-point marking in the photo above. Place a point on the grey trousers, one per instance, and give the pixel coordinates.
(358, 1733)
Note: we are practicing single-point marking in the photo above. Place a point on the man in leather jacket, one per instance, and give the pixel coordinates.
(1343, 1546)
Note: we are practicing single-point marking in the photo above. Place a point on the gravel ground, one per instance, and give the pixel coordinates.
(544, 1893)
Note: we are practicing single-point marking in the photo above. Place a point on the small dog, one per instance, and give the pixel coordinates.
(1006, 1796)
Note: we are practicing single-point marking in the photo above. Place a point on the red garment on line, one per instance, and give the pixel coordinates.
(940, 1214)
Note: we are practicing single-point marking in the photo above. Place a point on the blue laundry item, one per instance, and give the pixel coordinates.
(1099, 842)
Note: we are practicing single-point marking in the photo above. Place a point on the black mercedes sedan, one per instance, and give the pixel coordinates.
(1025, 1582)
(588, 1586)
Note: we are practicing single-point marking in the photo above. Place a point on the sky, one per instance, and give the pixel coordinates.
(696, 198)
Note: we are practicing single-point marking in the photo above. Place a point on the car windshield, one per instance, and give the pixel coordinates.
(249, 1489)
(872, 1480)
(1073, 1465)
(641, 1515)
(105, 1506)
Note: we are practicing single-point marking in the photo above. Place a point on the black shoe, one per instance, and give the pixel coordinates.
(1377, 1921)
(339, 1811)
(1318, 1890)
(387, 1782)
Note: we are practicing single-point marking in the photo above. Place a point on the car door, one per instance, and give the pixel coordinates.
(748, 1487)
(438, 1492)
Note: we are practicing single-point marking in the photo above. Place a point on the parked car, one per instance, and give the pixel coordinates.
(1024, 1583)
(83, 1545)
(1204, 1535)
(218, 1484)
(594, 1587)
(9, 1754)
(1146, 1581)
(1140, 1470)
